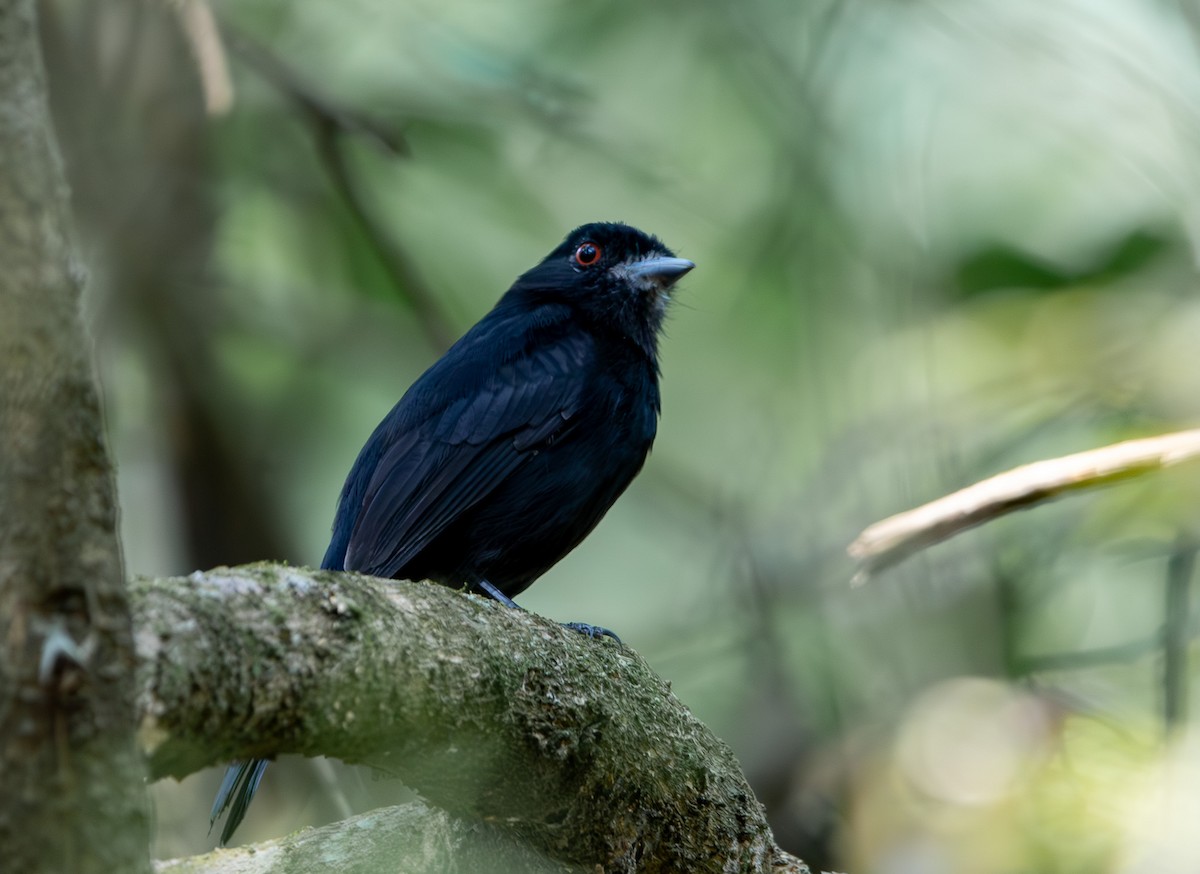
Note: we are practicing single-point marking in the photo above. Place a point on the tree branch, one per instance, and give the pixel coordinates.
(895, 538)
(570, 747)
(412, 838)
(199, 27)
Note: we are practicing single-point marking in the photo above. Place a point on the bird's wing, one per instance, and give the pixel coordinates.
(438, 468)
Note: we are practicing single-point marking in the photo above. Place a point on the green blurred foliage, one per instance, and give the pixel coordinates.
(934, 240)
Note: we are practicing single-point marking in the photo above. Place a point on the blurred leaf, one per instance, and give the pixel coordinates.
(1002, 266)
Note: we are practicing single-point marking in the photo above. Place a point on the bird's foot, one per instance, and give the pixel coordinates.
(591, 630)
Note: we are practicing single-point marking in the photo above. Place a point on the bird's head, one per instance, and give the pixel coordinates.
(612, 274)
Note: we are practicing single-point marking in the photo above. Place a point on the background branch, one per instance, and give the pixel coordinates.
(412, 838)
(329, 122)
(888, 542)
(1180, 569)
(568, 746)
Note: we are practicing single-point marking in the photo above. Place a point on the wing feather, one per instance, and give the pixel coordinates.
(441, 466)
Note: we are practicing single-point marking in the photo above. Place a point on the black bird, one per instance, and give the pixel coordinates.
(505, 453)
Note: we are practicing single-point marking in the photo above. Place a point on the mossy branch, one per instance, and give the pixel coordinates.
(568, 746)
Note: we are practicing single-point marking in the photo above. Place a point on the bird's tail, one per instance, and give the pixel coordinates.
(237, 790)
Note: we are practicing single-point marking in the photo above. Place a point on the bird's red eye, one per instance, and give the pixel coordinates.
(587, 254)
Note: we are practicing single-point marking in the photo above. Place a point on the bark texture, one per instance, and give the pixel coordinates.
(72, 798)
(570, 747)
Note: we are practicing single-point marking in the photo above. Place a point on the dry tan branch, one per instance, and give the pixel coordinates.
(886, 543)
(199, 27)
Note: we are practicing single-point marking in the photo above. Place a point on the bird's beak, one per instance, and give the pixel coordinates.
(664, 270)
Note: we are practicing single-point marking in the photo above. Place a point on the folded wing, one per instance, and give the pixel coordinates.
(440, 467)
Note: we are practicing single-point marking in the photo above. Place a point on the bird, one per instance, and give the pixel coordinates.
(505, 454)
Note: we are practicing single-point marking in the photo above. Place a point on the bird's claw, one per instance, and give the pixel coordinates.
(592, 631)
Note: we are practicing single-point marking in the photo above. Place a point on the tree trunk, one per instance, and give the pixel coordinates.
(73, 799)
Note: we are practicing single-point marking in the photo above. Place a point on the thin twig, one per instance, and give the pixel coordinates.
(886, 543)
(328, 120)
(1175, 631)
(1117, 654)
(1178, 631)
(391, 254)
(310, 99)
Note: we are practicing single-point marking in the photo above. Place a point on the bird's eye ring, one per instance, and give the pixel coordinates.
(587, 254)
